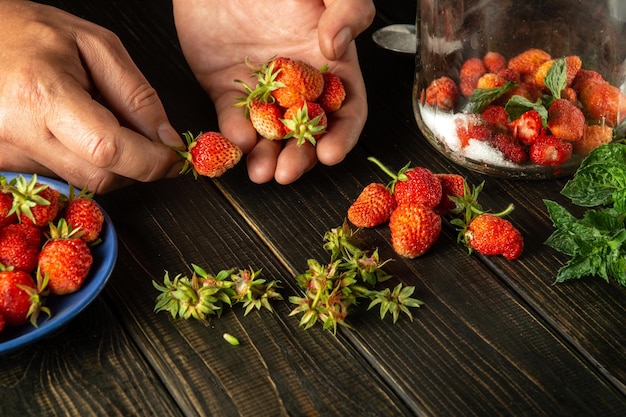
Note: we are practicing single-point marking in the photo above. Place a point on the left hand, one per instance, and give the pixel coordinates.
(218, 35)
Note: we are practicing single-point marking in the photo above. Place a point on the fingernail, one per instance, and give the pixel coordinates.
(341, 41)
(169, 136)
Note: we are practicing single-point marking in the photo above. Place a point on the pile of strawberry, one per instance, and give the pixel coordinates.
(291, 99)
(413, 204)
(45, 246)
(532, 107)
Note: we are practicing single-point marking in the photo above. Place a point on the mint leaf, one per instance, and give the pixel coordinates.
(518, 105)
(556, 78)
(482, 97)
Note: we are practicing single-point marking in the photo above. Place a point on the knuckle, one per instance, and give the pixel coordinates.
(101, 148)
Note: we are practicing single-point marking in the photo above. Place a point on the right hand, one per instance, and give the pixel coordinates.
(74, 105)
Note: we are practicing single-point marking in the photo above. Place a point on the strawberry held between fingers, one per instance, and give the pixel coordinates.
(209, 154)
(266, 119)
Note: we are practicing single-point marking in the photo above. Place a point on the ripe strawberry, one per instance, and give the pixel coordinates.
(549, 150)
(573, 64)
(6, 204)
(511, 149)
(305, 121)
(266, 119)
(593, 136)
(497, 118)
(18, 297)
(414, 229)
(442, 94)
(494, 62)
(492, 235)
(603, 101)
(527, 127)
(209, 154)
(372, 207)
(333, 94)
(19, 246)
(565, 120)
(452, 185)
(585, 78)
(64, 259)
(490, 80)
(83, 213)
(509, 74)
(35, 203)
(469, 74)
(299, 82)
(528, 61)
(469, 127)
(2, 323)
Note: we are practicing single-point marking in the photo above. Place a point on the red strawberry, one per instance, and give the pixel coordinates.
(565, 120)
(333, 94)
(593, 136)
(452, 185)
(493, 235)
(414, 229)
(490, 80)
(527, 127)
(305, 121)
(16, 296)
(494, 62)
(2, 323)
(469, 74)
(209, 154)
(528, 61)
(512, 150)
(19, 246)
(65, 260)
(471, 127)
(372, 207)
(299, 82)
(550, 151)
(266, 119)
(442, 94)
(35, 203)
(603, 101)
(416, 185)
(572, 66)
(6, 204)
(83, 213)
(497, 118)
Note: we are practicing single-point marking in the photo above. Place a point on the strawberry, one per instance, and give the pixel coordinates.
(19, 246)
(565, 120)
(603, 101)
(298, 80)
(65, 259)
(333, 94)
(528, 61)
(593, 136)
(306, 122)
(471, 127)
(490, 80)
(497, 118)
(372, 207)
(549, 150)
(511, 149)
(209, 154)
(509, 74)
(469, 74)
(527, 127)
(266, 119)
(492, 235)
(2, 323)
(83, 213)
(35, 203)
(452, 185)
(494, 62)
(442, 94)
(414, 229)
(18, 297)
(573, 64)
(6, 204)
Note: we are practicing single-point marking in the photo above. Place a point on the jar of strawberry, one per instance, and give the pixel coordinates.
(517, 88)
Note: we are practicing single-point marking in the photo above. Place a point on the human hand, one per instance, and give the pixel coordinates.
(218, 35)
(73, 104)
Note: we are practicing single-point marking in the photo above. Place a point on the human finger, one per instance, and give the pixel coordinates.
(341, 22)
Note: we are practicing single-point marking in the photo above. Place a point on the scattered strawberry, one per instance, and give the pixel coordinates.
(528, 61)
(565, 120)
(550, 151)
(372, 207)
(527, 127)
(593, 136)
(306, 122)
(442, 94)
(266, 119)
(65, 259)
(333, 94)
(452, 185)
(83, 213)
(209, 154)
(19, 246)
(414, 229)
(469, 74)
(492, 235)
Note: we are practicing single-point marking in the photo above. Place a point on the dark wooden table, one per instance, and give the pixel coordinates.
(494, 338)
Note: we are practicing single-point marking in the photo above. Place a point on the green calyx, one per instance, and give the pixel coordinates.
(303, 128)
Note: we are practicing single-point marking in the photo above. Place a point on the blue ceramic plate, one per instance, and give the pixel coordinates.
(65, 308)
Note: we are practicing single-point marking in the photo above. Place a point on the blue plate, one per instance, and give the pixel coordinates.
(65, 308)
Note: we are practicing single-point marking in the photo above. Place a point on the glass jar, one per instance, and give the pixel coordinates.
(520, 56)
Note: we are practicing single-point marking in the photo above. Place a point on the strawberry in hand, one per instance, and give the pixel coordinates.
(209, 154)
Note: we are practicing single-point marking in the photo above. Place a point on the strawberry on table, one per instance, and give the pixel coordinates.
(492, 235)
(414, 229)
(65, 259)
(372, 207)
(452, 185)
(209, 154)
